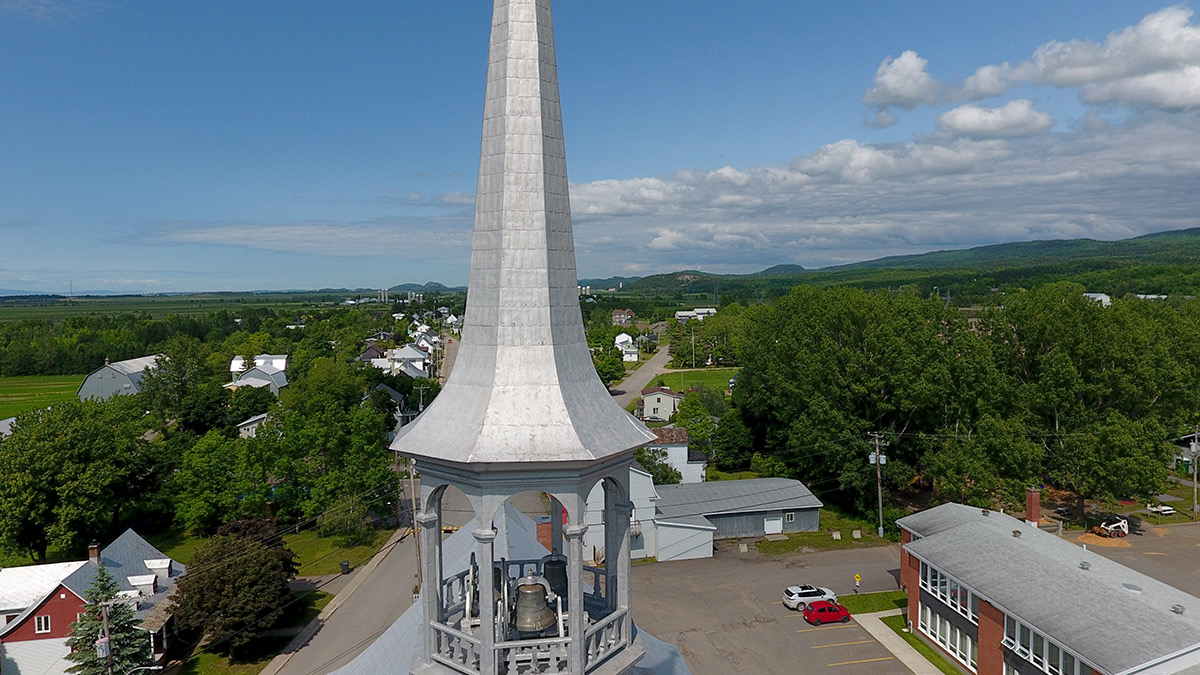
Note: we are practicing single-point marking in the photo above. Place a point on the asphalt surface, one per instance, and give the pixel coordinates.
(631, 387)
(1168, 553)
(726, 614)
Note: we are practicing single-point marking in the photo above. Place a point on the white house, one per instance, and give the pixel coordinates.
(689, 462)
(276, 361)
(658, 404)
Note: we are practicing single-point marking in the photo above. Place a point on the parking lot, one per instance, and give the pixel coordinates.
(1169, 553)
(726, 613)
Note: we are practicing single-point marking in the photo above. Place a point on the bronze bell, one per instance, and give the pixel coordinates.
(532, 614)
(554, 568)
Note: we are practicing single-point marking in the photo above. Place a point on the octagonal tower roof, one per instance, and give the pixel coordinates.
(523, 387)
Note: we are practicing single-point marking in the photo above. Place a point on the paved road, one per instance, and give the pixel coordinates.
(631, 387)
(1167, 553)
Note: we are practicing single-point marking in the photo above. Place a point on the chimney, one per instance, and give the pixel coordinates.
(1033, 506)
(94, 552)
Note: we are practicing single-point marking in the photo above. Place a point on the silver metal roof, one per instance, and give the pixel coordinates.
(523, 388)
(1096, 612)
(134, 366)
(678, 502)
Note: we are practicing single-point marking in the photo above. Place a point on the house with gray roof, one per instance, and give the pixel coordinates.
(998, 595)
(115, 379)
(267, 376)
(6, 426)
(39, 603)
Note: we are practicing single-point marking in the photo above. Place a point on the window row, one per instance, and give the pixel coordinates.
(1040, 650)
(956, 642)
(954, 594)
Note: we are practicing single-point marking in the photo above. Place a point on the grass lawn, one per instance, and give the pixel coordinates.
(323, 555)
(20, 558)
(866, 603)
(258, 654)
(22, 394)
(176, 544)
(823, 540)
(714, 473)
(716, 379)
(897, 623)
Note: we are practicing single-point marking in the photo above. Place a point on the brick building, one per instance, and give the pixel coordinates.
(998, 596)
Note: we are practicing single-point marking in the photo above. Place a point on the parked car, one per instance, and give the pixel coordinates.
(1063, 511)
(799, 597)
(823, 611)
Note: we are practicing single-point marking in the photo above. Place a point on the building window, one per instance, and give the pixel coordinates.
(956, 595)
(955, 642)
(41, 624)
(789, 517)
(1040, 650)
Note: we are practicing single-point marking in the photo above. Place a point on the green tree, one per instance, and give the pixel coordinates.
(694, 416)
(182, 369)
(128, 644)
(67, 472)
(732, 444)
(348, 520)
(1117, 458)
(609, 365)
(654, 461)
(234, 591)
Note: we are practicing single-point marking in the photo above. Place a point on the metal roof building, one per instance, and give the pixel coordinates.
(1001, 596)
(113, 379)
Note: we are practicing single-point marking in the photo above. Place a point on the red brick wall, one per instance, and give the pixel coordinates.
(910, 577)
(991, 634)
(62, 611)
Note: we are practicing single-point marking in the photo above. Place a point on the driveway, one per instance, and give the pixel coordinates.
(726, 614)
(629, 389)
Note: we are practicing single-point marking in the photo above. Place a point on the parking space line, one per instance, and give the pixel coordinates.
(844, 625)
(843, 644)
(850, 663)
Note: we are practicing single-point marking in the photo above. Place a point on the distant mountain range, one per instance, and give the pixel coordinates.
(1152, 263)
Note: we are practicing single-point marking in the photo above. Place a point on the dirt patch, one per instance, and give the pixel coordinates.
(1094, 540)
(1160, 531)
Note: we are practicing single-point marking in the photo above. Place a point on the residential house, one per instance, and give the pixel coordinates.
(700, 313)
(114, 379)
(1104, 299)
(998, 596)
(411, 360)
(622, 317)
(261, 376)
(658, 404)
(371, 353)
(249, 428)
(6, 426)
(39, 603)
(689, 462)
(629, 350)
(277, 361)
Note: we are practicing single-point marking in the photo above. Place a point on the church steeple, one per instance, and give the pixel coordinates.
(523, 386)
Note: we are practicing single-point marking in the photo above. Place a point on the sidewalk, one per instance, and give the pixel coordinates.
(895, 644)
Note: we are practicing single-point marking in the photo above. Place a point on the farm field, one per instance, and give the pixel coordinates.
(21, 394)
(55, 309)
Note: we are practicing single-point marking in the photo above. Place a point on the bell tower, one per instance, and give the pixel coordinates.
(524, 409)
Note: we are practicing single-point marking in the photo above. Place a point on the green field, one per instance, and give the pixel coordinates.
(22, 394)
(157, 306)
(716, 379)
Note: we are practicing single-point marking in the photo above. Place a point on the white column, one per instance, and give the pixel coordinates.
(431, 577)
(485, 540)
(578, 615)
(556, 526)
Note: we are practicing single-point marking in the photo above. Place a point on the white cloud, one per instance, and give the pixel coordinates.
(987, 81)
(851, 201)
(1154, 64)
(903, 82)
(1015, 118)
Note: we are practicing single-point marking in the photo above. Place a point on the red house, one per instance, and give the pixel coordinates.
(39, 603)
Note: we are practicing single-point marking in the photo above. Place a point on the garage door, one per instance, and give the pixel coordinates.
(773, 525)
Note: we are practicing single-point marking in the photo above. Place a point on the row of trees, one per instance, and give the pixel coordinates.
(1049, 387)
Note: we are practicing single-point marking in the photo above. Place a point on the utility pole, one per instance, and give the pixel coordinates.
(879, 459)
(107, 649)
(1195, 454)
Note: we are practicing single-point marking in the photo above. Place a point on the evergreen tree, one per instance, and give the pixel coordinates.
(130, 645)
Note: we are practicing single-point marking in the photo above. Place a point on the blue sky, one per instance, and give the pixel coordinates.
(156, 147)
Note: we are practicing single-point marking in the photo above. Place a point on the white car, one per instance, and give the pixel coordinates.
(799, 597)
